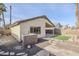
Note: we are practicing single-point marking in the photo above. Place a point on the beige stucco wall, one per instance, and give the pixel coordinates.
(48, 22)
(15, 31)
(25, 27)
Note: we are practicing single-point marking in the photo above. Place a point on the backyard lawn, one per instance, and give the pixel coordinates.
(62, 37)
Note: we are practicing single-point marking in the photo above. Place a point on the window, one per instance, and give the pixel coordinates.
(49, 31)
(36, 30)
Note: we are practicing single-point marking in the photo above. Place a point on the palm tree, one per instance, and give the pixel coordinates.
(10, 14)
(2, 10)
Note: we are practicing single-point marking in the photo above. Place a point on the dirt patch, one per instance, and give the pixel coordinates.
(8, 40)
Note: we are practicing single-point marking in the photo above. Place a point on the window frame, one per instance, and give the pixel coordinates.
(36, 30)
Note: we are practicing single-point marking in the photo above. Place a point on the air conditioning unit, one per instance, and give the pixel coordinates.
(29, 39)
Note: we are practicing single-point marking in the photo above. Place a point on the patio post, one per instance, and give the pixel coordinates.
(53, 31)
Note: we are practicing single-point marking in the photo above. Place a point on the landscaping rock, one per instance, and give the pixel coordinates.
(20, 54)
(12, 53)
(25, 55)
(18, 47)
(52, 41)
(42, 53)
(6, 53)
(2, 52)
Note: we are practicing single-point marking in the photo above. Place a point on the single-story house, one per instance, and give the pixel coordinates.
(40, 25)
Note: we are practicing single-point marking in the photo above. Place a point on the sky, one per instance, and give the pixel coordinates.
(63, 13)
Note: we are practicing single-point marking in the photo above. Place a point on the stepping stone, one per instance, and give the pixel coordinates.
(12, 53)
(19, 54)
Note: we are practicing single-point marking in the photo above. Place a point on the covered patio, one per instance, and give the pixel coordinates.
(52, 31)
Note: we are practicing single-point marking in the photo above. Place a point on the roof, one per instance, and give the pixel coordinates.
(26, 20)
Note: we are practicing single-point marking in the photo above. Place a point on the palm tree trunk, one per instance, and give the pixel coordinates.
(10, 15)
(3, 20)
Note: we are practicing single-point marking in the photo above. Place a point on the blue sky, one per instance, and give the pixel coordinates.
(56, 12)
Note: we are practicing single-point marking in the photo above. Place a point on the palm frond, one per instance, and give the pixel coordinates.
(2, 7)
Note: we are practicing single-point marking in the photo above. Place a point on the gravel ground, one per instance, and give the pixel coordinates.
(60, 51)
(68, 46)
(8, 43)
(9, 46)
(8, 40)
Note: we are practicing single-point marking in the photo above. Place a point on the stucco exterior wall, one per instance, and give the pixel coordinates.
(15, 31)
(48, 22)
(25, 27)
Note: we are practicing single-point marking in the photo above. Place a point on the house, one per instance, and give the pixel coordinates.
(40, 25)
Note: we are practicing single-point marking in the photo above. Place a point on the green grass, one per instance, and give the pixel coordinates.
(61, 37)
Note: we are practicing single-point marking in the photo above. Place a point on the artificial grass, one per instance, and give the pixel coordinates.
(62, 37)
